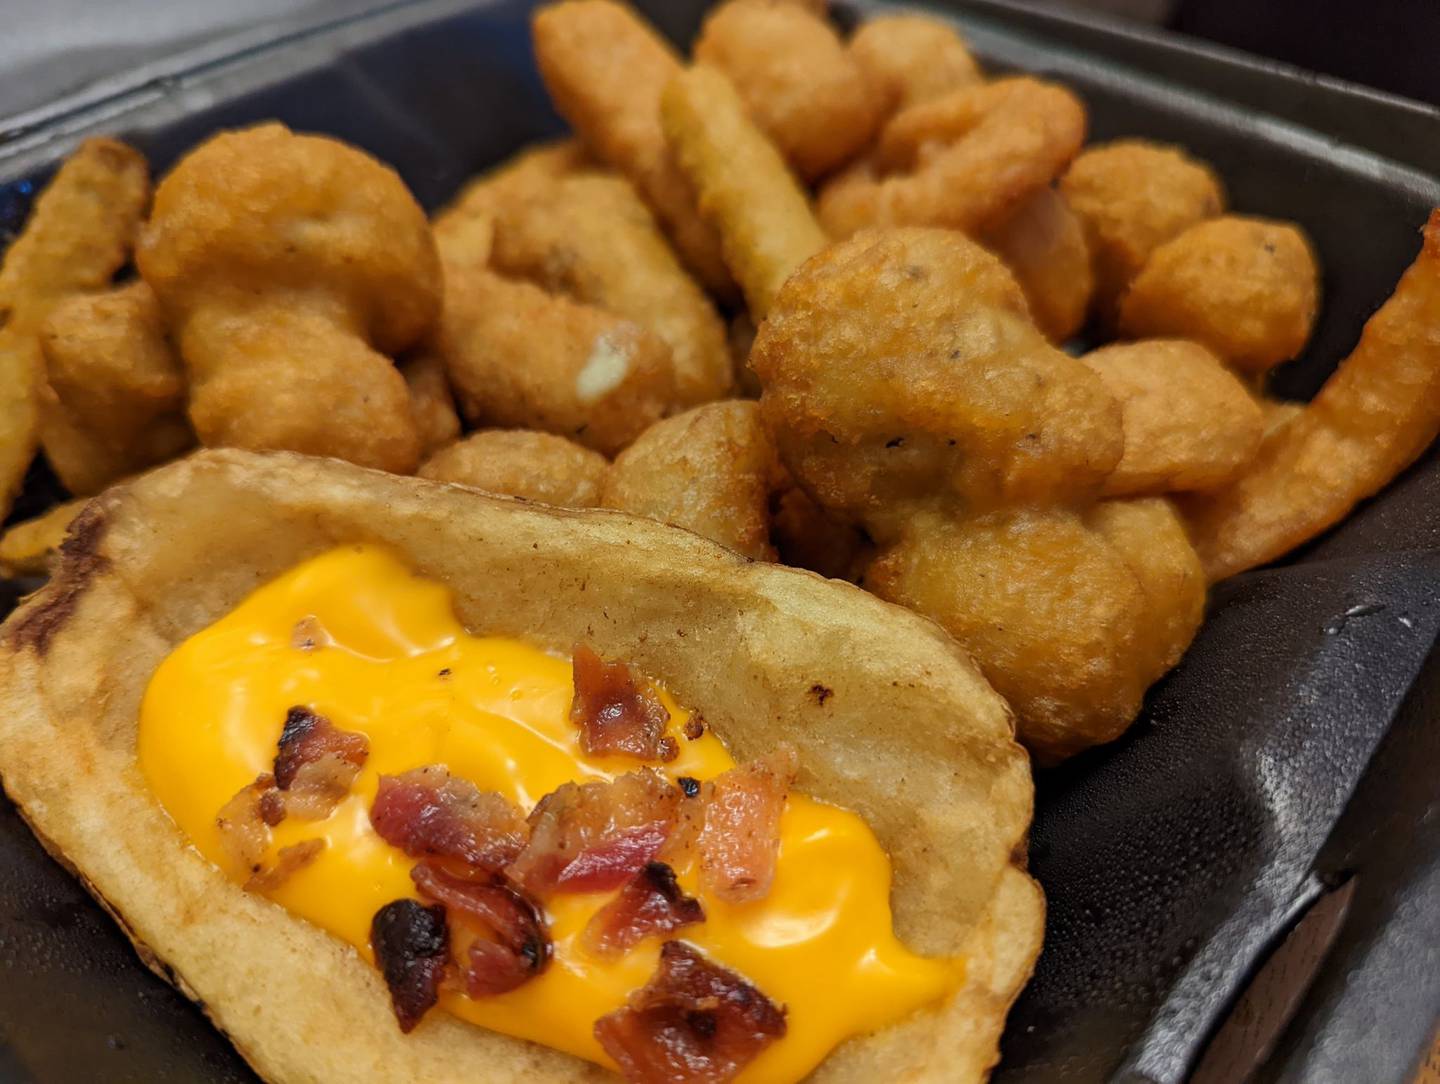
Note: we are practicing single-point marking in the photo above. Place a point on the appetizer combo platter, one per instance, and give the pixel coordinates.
(410, 476)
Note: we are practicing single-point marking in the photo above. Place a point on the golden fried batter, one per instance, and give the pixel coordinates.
(118, 389)
(590, 237)
(30, 548)
(1052, 613)
(763, 217)
(1247, 288)
(1370, 421)
(1043, 244)
(966, 159)
(798, 82)
(78, 235)
(521, 358)
(289, 266)
(431, 401)
(464, 229)
(605, 69)
(1133, 196)
(900, 367)
(709, 470)
(1189, 423)
(1150, 535)
(523, 463)
(912, 58)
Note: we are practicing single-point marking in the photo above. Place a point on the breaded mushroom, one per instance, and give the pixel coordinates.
(522, 463)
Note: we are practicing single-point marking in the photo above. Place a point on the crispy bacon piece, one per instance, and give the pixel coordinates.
(693, 1023)
(513, 945)
(615, 714)
(244, 827)
(651, 904)
(740, 839)
(288, 861)
(412, 948)
(595, 836)
(426, 812)
(317, 763)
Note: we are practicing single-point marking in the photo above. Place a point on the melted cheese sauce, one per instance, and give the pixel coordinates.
(400, 668)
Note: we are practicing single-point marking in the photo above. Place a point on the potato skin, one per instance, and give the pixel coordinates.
(1132, 196)
(900, 369)
(804, 90)
(907, 718)
(1190, 424)
(1246, 288)
(522, 463)
(709, 470)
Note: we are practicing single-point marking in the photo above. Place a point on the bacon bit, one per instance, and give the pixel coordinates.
(595, 836)
(694, 1023)
(689, 819)
(426, 812)
(289, 861)
(272, 807)
(614, 714)
(518, 946)
(244, 832)
(689, 786)
(651, 904)
(694, 727)
(308, 634)
(740, 839)
(412, 948)
(317, 763)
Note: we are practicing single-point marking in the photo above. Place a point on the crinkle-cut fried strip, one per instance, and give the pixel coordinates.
(77, 237)
(1043, 243)
(965, 160)
(519, 357)
(605, 70)
(710, 470)
(912, 58)
(1371, 420)
(522, 463)
(745, 190)
(116, 388)
(464, 228)
(798, 82)
(591, 238)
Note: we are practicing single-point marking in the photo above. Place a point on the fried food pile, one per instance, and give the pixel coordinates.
(802, 293)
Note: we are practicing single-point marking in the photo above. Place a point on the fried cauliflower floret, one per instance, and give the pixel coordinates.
(519, 357)
(804, 90)
(1132, 197)
(709, 470)
(119, 386)
(431, 401)
(912, 58)
(290, 266)
(590, 237)
(1189, 423)
(1246, 288)
(522, 463)
(901, 368)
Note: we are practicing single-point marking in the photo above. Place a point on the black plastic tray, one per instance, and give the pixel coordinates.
(1292, 751)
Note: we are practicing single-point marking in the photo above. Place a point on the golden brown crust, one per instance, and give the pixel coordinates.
(908, 716)
(709, 470)
(522, 463)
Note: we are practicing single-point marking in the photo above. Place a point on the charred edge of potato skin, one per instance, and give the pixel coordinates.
(42, 616)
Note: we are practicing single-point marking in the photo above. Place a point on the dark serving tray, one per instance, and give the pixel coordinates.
(1289, 760)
